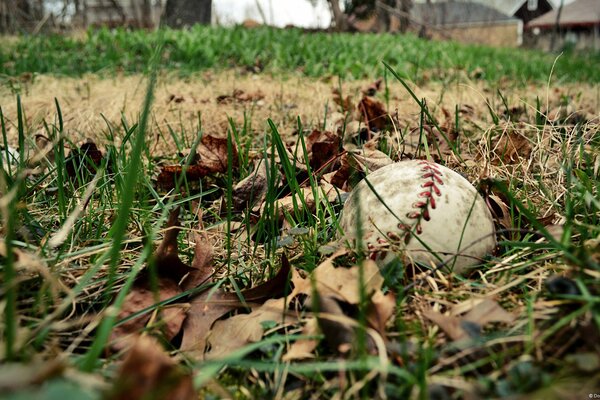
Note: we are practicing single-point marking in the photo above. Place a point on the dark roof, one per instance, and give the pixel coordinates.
(579, 13)
(456, 13)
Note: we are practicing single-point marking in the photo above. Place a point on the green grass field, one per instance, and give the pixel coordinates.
(91, 252)
(275, 50)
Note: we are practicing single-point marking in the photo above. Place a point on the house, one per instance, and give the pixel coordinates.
(468, 22)
(577, 26)
(525, 10)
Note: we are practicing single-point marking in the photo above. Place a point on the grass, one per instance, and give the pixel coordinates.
(314, 54)
(57, 303)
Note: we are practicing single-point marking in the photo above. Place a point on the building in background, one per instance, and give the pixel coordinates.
(577, 26)
(467, 22)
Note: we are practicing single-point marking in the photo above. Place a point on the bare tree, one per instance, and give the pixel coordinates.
(339, 18)
(20, 15)
(404, 15)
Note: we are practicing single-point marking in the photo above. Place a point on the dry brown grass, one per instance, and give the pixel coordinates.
(178, 101)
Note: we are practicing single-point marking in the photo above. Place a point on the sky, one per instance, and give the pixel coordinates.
(277, 12)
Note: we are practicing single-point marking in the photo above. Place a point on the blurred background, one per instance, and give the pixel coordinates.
(543, 24)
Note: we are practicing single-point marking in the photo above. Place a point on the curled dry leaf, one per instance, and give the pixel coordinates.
(170, 271)
(211, 156)
(469, 325)
(322, 147)
(140, 297)
(510, 148)
(356, 164)
(239, 96)
(236, 332)
(373, 113)
(303, 348)
(337, 328)
(289, 203)
(380, 310)
(372, 88)
(253, 189)
(336, 286)
(345, 104)
(83, 163)
(211, 305)
(149, 373)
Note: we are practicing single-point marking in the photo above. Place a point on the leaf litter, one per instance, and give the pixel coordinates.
(321, 305)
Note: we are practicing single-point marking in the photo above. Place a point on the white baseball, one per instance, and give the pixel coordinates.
(423, 212)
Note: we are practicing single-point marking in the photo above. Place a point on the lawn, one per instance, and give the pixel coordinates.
(171, 207)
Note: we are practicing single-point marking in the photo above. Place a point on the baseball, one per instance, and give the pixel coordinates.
(422, 212)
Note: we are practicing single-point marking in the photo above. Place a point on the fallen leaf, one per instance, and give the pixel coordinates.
(381, 309)
(303, 348)
(236, 332)
(83, 163)
(212, 153)
(240, 96)
(510, 148)
(139, 298)
(345, 104)
(175, 99)
(373, 113)
(211, 305)
(372, 88)
(488, 311)
(205, 309)
(253, 189)
(170, 271)
(336, 326)
(322, 147)
(210, 157)
(356, 164)
(290, 203)
(470, 324)
(149, 373)
(500, 211)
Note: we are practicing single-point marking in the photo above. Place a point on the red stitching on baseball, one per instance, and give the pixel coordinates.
(433, 178)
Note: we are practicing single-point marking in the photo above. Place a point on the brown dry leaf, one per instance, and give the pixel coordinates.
(204, 310)
(338, 282)
(251, 190)
(344, 103)
(84, 162)
(373, 113)
(170, 271)
(373, 88)
(149, 373)
(336, 326)
(322, 147)
(488, 311)
(303, 348)
(140, 298)
(210, 158)
(286, 205)
(212, 153)
(380, 310)
(469, 325)
(240, 96)
(236, 332)
(356, 164)
(499, 210)
(211, 305)
(510, 148)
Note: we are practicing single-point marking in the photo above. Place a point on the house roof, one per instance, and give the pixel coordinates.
(579, 13)
(510, 7)
(456, 13)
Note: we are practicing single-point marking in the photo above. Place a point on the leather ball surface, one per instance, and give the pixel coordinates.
(420, 211)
